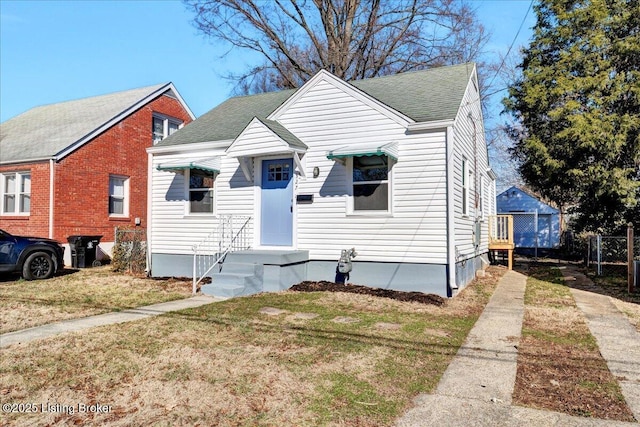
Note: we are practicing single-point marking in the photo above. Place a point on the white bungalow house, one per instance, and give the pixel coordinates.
(395, 167)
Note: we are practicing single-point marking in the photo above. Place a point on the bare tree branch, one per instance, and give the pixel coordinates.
(353, 39)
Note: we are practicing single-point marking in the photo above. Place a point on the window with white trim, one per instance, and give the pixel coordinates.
(16, 193)
(118, 196)
(201, 186)
(163, 126)
(370, 180)
(465, 187)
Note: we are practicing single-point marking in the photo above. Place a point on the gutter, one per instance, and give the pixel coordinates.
(149, 210)
(187, 148)
(33, 160)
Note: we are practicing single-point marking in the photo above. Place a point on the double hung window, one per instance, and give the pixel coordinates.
(371, 183)
(164, 126)
(118, 196)
(201, 191)
(16, 193)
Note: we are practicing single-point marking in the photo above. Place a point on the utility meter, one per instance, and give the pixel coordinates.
(344, 265)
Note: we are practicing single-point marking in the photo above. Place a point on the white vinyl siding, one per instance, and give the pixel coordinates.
(469, 145)
(257, 139)
(326, 118)
(416, 229)
(175, 231)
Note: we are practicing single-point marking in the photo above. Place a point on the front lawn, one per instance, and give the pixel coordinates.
(278, 359)
(79, 293)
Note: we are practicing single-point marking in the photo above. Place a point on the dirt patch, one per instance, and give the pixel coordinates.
(325, 286)
(567, 379)
(559, 365)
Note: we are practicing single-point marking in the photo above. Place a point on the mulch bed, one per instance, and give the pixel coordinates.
(325, 286)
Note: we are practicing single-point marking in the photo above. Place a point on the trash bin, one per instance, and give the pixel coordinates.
(83, 251)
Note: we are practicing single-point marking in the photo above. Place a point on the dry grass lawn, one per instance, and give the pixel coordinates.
(358, 362)
(616, 287)
(559, 364)
(79, 293)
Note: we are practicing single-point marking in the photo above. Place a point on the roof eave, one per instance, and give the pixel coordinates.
(428, 126)
(32, 160)
(193, 146)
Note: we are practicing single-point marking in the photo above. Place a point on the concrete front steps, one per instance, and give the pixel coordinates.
(253, 271)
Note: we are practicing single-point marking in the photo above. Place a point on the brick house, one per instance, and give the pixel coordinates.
(80, 167)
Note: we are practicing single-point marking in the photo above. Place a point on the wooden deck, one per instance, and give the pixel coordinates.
(501, 235)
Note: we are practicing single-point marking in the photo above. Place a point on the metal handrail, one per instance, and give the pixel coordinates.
(213, 249)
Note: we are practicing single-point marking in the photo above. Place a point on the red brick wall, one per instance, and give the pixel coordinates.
(37, 222)
(81, 194)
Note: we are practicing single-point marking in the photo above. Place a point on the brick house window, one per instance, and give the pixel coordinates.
(16, 193)
(201, 191)
(164, 126)
(118, 196)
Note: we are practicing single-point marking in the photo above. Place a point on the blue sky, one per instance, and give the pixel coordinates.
(53, 51)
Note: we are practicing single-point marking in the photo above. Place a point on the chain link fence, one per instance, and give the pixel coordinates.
(608, 255)
(130, 250)
(535, 233)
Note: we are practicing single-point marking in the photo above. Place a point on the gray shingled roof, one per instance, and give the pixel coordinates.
(45, 131)
(284, 133)
(227, 120)
(424, 96)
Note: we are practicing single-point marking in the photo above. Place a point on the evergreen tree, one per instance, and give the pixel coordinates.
(577, 105)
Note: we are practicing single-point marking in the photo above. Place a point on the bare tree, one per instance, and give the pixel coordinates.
(499, 76)
(353, 39)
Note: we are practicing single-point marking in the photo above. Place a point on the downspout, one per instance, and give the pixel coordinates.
(451, 234)
(51, 196)
(149, 204)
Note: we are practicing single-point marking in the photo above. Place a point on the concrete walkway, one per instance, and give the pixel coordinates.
(476, 388)
(618, 340)
(73, 325)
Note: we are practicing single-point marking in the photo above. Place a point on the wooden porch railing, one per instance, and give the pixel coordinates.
(501, 235)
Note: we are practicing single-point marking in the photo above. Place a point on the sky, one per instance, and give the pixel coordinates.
(54, 51)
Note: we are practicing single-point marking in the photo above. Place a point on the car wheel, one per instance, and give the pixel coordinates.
(38, 265)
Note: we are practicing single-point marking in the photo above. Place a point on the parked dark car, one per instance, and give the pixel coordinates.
(33, 257)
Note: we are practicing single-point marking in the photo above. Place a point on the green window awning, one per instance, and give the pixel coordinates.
(365, 150)
(209, 165)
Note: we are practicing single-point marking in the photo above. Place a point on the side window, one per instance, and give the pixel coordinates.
(16, 193)
(465, 187)
(118, 196)
(201, 191)
(371, 183)
(163, 126)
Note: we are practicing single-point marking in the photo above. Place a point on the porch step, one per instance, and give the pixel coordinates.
(233, 285)
(268, 257)
(240, 267)
(253, 271)
(235, 279)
